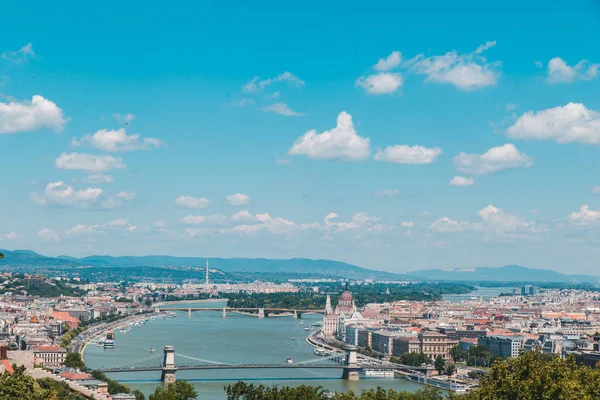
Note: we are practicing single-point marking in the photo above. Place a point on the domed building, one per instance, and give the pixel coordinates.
(335, 321)
(346, 304)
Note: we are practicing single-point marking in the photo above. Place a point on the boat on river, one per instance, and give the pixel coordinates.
(321, 352)
(153, 350)
(441, 383)
(289, 361)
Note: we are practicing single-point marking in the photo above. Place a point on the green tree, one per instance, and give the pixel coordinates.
(19, 386)
(457, 354)
(534, 377)
(148, 302)
(439, 364)
(451, 369)
(180, 390)
(73, 360)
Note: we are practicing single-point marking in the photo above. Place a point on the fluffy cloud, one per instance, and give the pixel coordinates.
(238, 199)
(495, 159)
(571, 123)
(88, 162)
(217, 219)
(462, 181)
(340, 143)
(31, 115)
(243, 215)
(49, 235)
(492, 221)
(403, 154)
(192, 202)
(117, 225)
(23, 54)
(560, 72)
(446, 224)
(127, 196)
(465, 71)
(283, 109)
(386, 193)
(57, 193)
(95, 179)
(381, 83)
(117, 140)
(9, 236)
(585, 215)
(389, 62)
(257, 85)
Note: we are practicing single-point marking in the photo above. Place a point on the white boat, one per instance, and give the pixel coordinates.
(446, 384)
(301, 322)
(109, 344)
(307, 329)
(99, 343)
(380, 373)
(321, 352)
(289, 361)
(153, 350)
(171, 314)
(293, 338)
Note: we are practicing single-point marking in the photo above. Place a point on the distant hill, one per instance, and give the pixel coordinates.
(508, 273)
(317, 268)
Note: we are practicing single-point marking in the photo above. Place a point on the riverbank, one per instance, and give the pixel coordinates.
(164, 303)
(86, 337)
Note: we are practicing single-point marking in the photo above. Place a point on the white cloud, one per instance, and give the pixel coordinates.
(31, 115)
(88, 162)
(510, 106)
(560, 72)
(238, 199)
(341, 142)
(117, 225)
(127, 196)
(585, 215)
(568, 124)
(57, 193)
(386, 193)
(23, 54)
(407, 224)
(117, 140)
(495, 159)
(95, 179)
(467, 72)
(243, 215)
(462, 181)
(49, 235)
(596, 189)
(9, 236)
(126, 119)
(283, 109)
(160, 224)
(492, 221)
(192, 202)
(217, 219)
(243, 102)
(257, 85)
(446, 224)
(389, 62)
(403, 154)
(381, 83)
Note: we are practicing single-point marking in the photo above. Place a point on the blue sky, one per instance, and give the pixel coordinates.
(396, 137)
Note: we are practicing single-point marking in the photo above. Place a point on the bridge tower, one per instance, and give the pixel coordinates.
(168, 368)
(295, 314)
(351, 370)
(189, 312)
(224, 312)
(261, 312)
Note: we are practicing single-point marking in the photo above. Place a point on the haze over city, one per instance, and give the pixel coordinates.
(381, 138)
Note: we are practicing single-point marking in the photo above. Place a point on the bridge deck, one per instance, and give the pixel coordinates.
(232, 366)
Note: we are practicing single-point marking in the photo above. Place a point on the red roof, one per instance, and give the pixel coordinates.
(47, 348)
(76, 376)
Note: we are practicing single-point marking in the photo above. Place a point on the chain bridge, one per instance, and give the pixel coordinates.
(347, 362)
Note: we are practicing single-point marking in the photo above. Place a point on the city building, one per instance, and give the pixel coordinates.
(49, 356)
(502, 346)
(435, 344)
(529, 290)
(410, 344)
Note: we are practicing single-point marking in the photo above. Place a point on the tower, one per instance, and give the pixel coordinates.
(328, 308)
(207, 272)
(168, 367)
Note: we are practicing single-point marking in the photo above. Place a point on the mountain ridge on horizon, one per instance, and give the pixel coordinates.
(318, 267)
(515, 273)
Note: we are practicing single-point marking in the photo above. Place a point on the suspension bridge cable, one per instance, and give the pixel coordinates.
(199, 359)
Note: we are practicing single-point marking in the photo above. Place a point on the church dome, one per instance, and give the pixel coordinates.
(346, 296)
(34, 320)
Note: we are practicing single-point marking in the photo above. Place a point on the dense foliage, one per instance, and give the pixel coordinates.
(20, 386)
(115, 387)
(33, 287)
(73, 360)
(62, 389)
(363, 294)
(414, 359)
(476, 356)
(244, 391)
(180, 390)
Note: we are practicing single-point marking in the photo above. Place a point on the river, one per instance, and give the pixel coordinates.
(237, 338)
(484, 292)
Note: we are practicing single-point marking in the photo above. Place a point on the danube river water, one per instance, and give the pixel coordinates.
(480, 292)
(237, 338)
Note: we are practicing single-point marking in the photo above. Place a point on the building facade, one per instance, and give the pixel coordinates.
(502, 346)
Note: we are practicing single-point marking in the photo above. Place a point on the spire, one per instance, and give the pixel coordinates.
(328, 308)
(207, 272)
